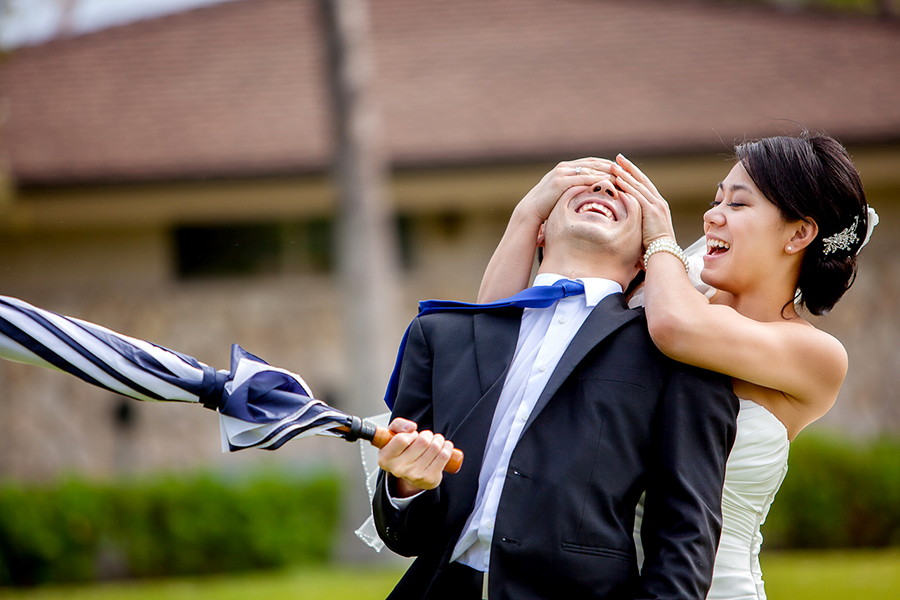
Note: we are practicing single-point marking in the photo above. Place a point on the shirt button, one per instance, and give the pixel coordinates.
(523, 417)
(562, 320)
(542, 368)
(489, 524)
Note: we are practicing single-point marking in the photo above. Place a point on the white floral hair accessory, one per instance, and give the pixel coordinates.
(844, 240)
(873, 221)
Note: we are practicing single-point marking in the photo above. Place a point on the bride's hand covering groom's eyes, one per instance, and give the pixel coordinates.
(576, 175)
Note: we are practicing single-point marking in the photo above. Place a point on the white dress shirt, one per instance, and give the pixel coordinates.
(544, 335)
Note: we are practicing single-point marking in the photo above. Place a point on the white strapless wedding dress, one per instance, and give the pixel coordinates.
(754, 472)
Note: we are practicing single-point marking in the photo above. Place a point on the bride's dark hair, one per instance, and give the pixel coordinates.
(810, 177)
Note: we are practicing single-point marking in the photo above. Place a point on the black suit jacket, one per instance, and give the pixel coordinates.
(615, 419)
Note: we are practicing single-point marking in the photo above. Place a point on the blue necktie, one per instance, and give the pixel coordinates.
(539, 296)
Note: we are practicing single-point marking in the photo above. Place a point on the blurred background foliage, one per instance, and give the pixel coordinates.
(78, 530)
(883, 7)
(838, 493)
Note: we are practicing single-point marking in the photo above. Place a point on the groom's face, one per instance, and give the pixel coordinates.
(600, 219)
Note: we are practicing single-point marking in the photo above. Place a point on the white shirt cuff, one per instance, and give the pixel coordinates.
(402, 503)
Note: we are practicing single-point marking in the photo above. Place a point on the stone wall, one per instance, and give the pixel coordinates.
(51, 423)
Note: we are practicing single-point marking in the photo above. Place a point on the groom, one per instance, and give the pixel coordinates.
(566, 414)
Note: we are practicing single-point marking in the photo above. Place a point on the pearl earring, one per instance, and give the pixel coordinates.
(790, 248)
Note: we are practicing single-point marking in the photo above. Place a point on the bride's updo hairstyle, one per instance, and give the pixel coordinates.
(811, 178)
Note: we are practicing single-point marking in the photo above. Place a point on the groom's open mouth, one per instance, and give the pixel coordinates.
(716, 247)
(598, 208)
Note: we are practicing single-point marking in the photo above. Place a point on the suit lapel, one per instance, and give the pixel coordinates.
(609, 315)
(496, 334)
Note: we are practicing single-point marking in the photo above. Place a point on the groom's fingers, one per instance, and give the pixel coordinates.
(416, 457)
(401, 425)
(404, 435)
(430, 453)
(420, 462)
(435, 469)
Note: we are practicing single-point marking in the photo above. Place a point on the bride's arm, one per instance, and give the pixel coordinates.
(510, 266)
(509, 269)
(806, 364)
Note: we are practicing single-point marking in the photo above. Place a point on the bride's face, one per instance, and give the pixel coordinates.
(745, 236)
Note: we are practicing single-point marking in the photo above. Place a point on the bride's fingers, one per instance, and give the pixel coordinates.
(632, 169)
(587, 177)
(590, 166)
(592, 161)
(585, 171)
(628, 183)
(632, 174)
(640, 195)
(637, 198)
(624, 174)
(653, 209)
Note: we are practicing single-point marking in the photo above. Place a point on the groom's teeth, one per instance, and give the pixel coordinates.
(597, 207)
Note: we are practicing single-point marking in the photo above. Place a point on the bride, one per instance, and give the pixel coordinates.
(782, 234)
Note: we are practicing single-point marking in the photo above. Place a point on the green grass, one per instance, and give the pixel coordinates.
(325, 583)
(832, 575)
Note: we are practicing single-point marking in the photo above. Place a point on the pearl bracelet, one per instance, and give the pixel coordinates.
(666, 245)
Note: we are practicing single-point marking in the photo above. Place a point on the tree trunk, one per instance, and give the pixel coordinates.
(66, 25)
(368, 248)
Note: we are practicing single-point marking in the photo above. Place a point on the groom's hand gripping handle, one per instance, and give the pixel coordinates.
(357, 429)
(383, 436)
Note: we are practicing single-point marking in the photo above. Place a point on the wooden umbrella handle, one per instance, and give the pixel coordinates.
(383, 436)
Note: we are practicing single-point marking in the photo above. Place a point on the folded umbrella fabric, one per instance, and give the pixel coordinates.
(259, 406)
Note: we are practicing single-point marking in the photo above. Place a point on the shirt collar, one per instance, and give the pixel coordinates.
(595, 288)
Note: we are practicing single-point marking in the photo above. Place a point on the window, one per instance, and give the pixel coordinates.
(255, 249)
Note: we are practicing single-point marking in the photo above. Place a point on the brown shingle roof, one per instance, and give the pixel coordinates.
(238, 88)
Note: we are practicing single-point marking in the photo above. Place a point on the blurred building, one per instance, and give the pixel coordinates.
(170, 179)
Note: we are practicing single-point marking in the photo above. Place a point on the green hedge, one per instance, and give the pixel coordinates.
(81, 531)
(837, 494)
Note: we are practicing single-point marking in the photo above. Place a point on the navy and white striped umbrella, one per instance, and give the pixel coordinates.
(259, 406)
